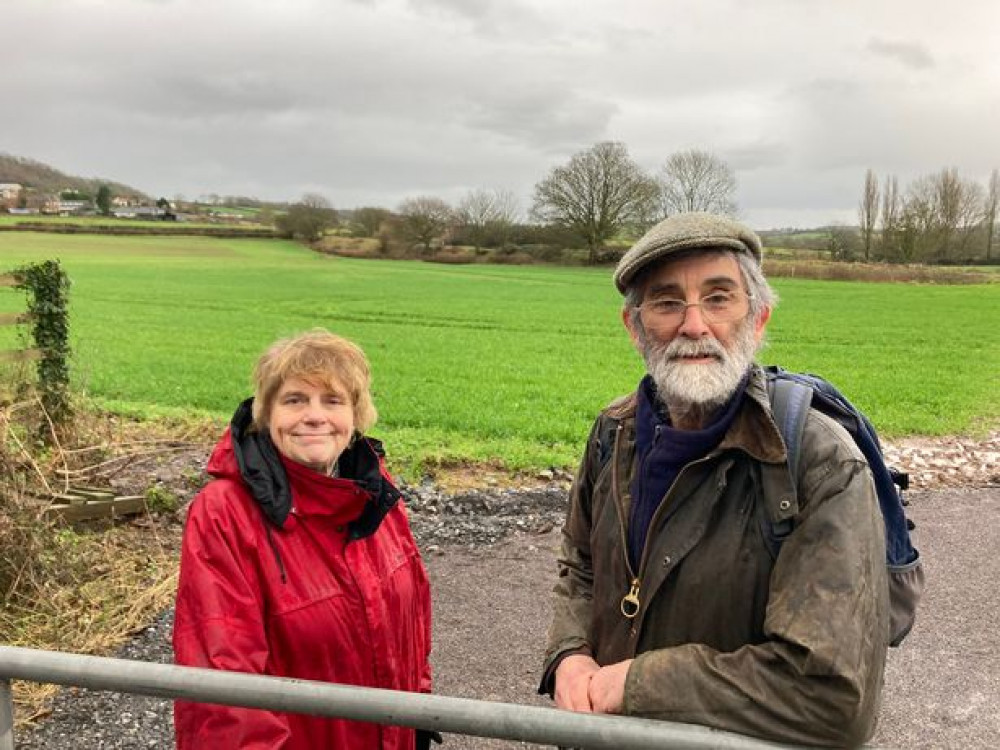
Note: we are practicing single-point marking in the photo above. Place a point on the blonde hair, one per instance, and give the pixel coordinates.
(321, 358)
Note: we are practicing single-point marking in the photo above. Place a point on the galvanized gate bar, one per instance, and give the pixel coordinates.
(547, 726)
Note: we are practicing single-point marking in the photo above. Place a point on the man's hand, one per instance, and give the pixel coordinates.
(573, 682)
(607, 688)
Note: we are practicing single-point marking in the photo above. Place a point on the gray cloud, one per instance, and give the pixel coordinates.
(370, 101)
(490, 18)
(549, 119)
(916, 56)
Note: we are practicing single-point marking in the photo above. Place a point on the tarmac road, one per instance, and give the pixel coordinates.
(942, 685)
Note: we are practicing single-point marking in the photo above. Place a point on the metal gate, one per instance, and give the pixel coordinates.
(545, 726)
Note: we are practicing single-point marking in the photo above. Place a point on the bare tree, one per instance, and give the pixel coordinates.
(488, 215)
(424, 219)
(868, 212)
(890, 218)
(990, 208)
(308, 219)
(696, 180)
(970, 214)
(842, 242)
(921, 225)
(940, 214)
(596, 194)
(367, 220)
(958, 204)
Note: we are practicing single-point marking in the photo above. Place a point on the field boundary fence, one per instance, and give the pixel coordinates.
(537, 724)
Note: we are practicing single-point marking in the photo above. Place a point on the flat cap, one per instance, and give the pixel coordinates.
(685, 232)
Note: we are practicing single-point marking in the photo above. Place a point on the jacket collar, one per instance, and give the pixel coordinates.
(271, 478)
(754, 430)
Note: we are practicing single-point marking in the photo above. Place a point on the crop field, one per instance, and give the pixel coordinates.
(98, 221)
(495, 363)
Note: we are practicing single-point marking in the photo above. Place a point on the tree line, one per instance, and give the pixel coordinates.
(939, 218)
(600, 193)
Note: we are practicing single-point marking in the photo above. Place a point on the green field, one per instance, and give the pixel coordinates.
(479, 362)
(100, 221)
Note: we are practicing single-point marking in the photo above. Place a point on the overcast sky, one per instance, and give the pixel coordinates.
(369, 102)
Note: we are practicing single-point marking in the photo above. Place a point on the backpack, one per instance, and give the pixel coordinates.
(792, 395)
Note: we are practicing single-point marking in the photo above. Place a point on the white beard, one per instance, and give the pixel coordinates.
(705, 386)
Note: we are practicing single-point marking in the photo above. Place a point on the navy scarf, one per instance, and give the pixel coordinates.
(661, 452)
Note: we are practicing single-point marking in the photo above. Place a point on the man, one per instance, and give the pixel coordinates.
(670, 604)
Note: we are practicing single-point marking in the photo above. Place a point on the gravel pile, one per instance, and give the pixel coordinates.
(481, 517)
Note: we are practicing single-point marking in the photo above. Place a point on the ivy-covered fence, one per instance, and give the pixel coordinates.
(46, 286)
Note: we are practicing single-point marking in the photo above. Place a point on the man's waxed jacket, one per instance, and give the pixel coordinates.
(793, 649)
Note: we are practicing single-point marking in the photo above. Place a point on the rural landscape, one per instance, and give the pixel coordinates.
(596, 524)
(493, 339)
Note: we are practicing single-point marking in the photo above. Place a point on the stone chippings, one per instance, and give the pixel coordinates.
(482, 517)
(935, 463)
(96, 720)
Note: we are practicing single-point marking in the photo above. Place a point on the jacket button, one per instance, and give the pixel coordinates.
(784, 505)
(667, 560)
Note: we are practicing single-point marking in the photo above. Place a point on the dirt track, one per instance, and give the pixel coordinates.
(942, 686)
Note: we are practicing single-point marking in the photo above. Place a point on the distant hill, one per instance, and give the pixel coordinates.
(46, 179)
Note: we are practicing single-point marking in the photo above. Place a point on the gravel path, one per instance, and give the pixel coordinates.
(491, 560)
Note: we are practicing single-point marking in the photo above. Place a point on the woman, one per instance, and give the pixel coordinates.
(298, 559)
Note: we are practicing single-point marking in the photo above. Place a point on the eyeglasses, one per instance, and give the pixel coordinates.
(717, 307)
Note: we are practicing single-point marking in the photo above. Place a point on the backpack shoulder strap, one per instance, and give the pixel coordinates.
(790, 405)
(790, 402)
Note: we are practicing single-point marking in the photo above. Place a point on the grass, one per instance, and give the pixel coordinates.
(244, 211)
(90, 591)
(483, 363)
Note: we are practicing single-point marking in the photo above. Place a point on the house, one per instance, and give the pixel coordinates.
(69, 208)
(10, 193)
(142, 212)
(9, 190)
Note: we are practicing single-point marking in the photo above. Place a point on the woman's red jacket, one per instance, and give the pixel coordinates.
(305, 599)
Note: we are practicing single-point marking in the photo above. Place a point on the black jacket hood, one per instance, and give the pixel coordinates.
(264, 474)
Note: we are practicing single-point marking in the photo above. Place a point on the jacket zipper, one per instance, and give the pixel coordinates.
(631, 604)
